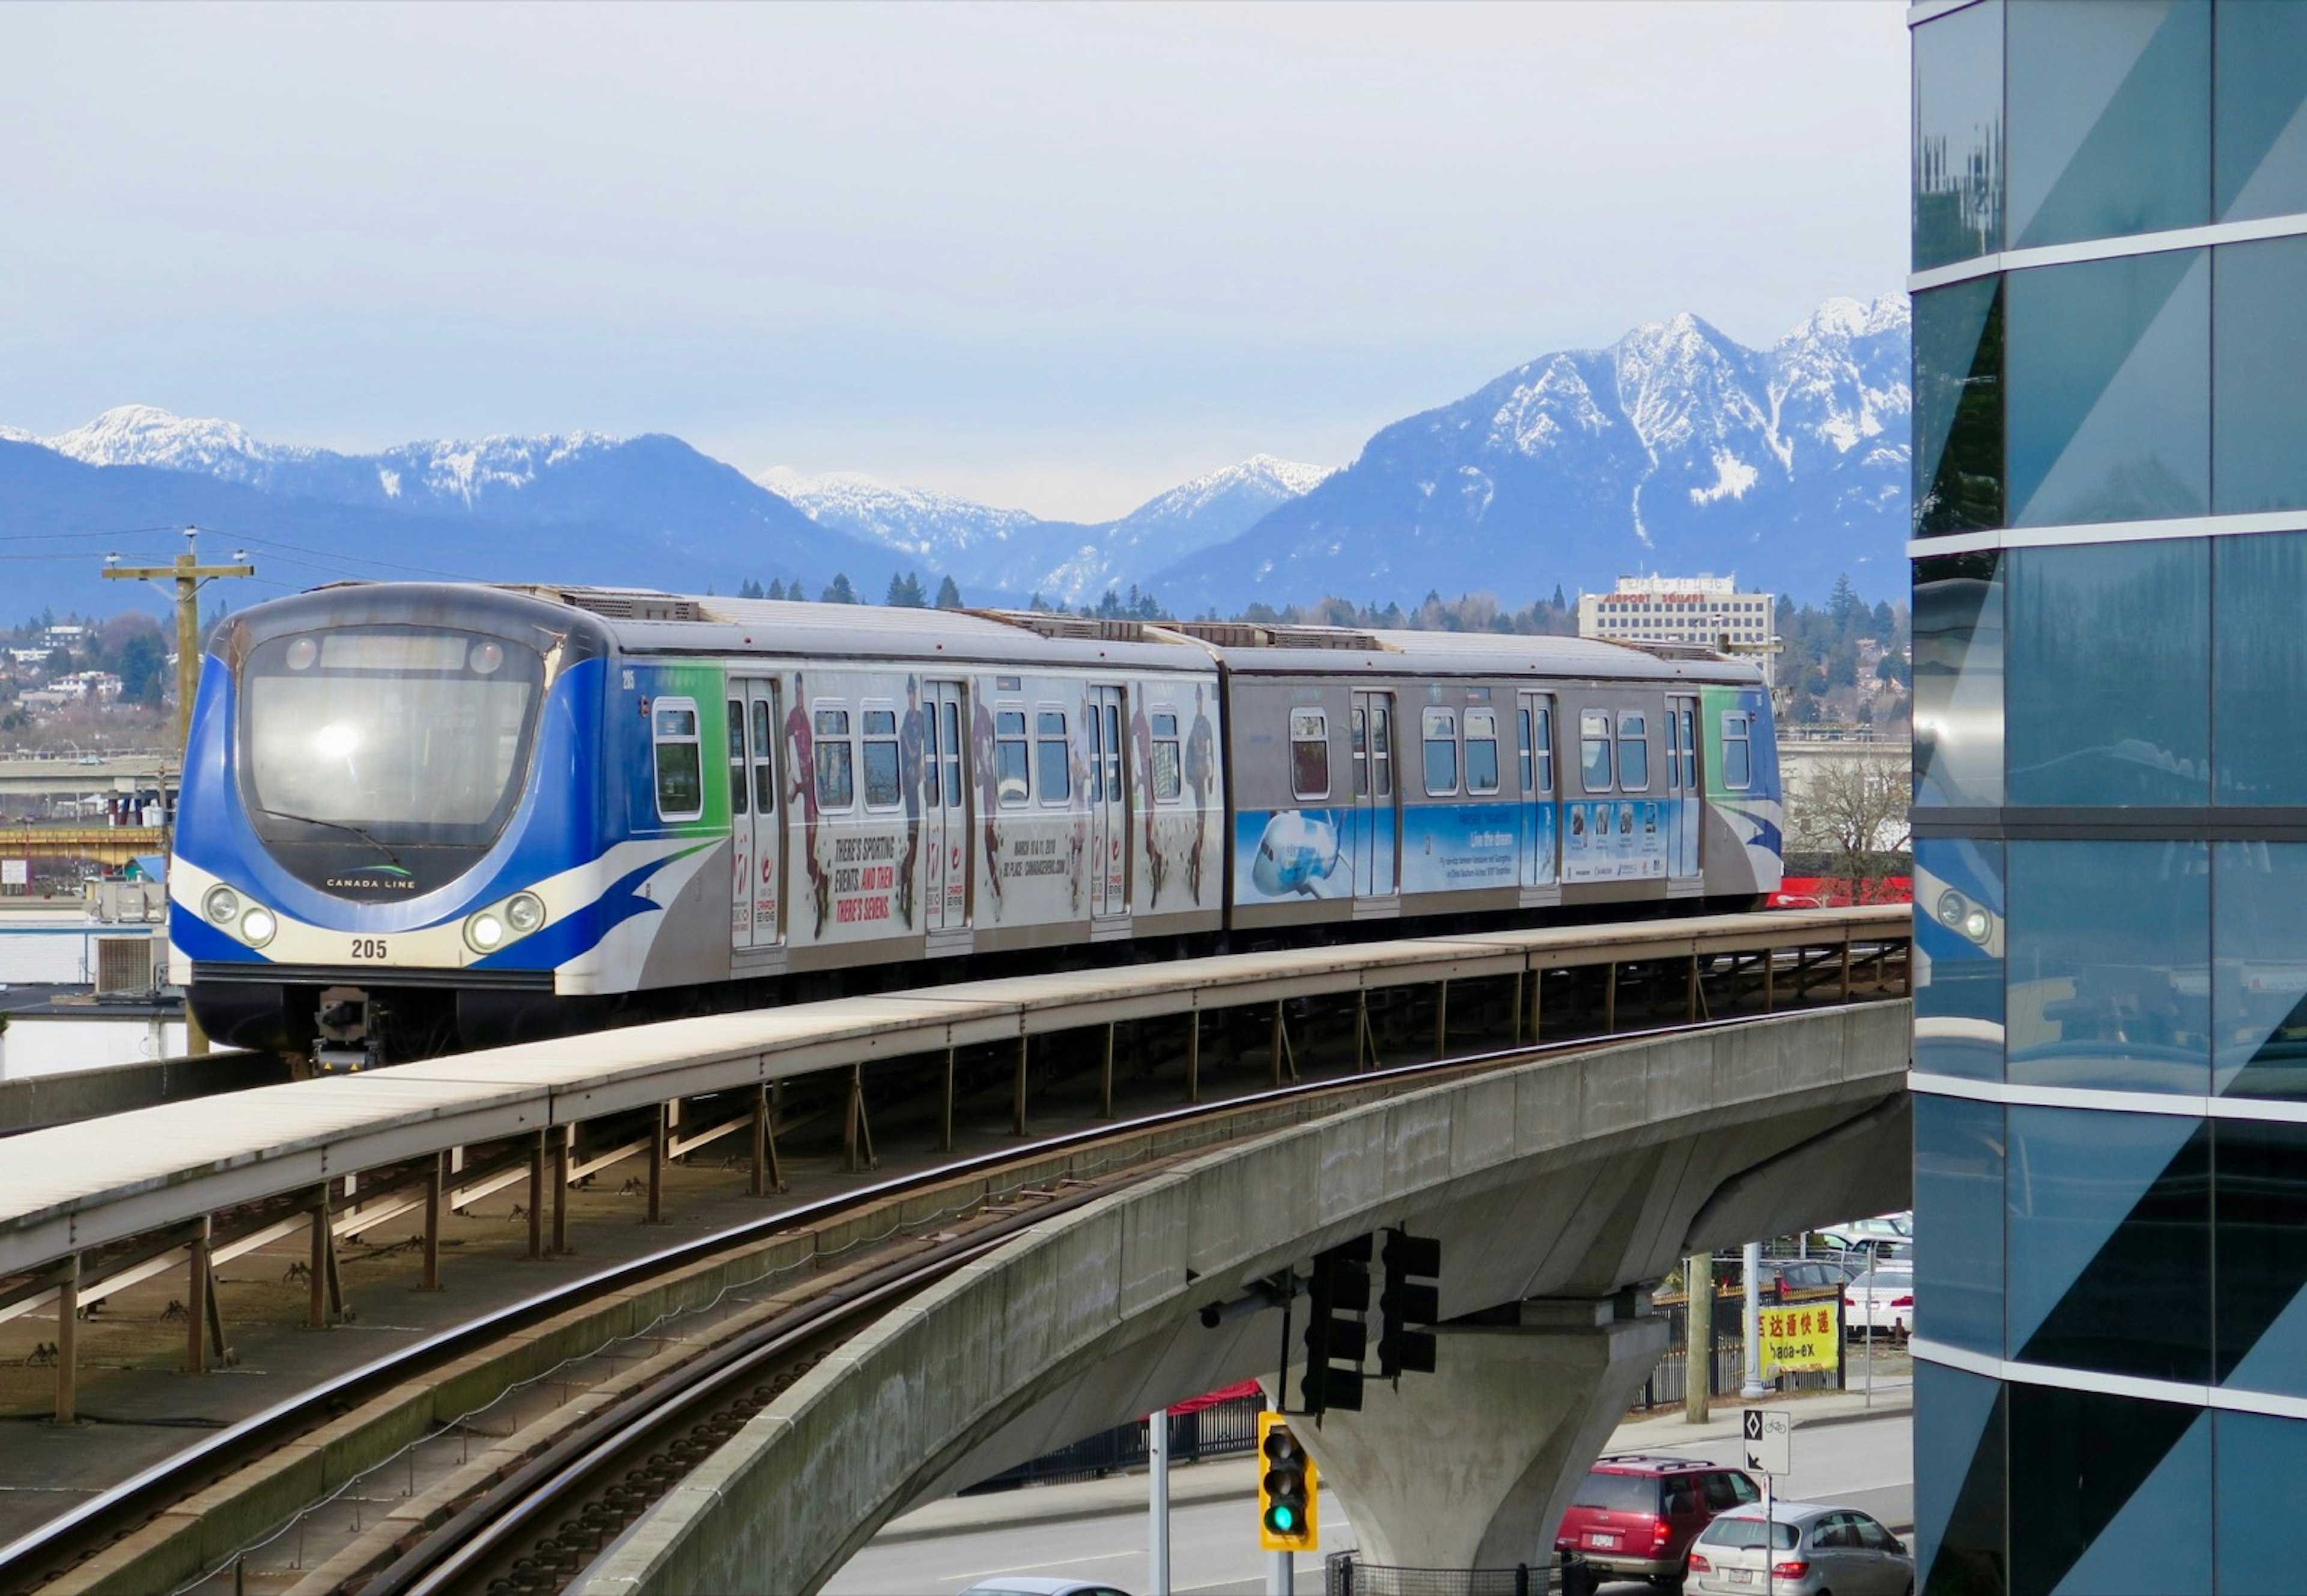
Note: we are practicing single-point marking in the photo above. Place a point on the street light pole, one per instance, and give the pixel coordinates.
(188, 576)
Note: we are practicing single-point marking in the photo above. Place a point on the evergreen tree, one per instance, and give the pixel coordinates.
(948, 596)
(905, 592)
(749, 588)
(1559, 602)
(776, 588)
(840, 592)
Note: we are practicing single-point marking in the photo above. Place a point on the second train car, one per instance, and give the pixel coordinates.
(421, 816)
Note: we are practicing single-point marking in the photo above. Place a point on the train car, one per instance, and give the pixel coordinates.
(422, 816)
(1402, 775)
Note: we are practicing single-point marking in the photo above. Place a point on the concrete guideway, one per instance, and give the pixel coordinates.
(70, 1187)
(1557, 1188)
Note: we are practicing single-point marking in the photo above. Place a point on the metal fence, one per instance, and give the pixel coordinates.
(1226, 1429)
(1342, 1574)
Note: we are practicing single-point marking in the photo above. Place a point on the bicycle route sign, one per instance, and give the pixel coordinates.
(1770, 1441)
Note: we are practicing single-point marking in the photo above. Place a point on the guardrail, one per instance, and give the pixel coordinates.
(90, 1207)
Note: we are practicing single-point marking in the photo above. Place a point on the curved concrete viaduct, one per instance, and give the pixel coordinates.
(1560, 1188)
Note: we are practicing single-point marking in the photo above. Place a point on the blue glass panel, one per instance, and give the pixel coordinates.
(1958, 942)
(1959, 1513)
(2077, 1460)
(2155, 1543)
(1959, 1206)
(2260, 404)
(2108, 655)
(2261, 116)
(2109, 1243)
(1959, 680)
(2109, 978)
(1958, 441)
(1959, 136)
(2261, 1468)
(2259, 954)
(2259, 1213)
(2110, 118)
(2109, 373)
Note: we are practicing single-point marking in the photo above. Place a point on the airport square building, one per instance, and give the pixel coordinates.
(2110, 570)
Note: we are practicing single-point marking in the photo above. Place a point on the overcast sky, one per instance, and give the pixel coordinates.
(1054, 256)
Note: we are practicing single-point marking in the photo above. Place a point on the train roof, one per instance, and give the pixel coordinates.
(647, 620)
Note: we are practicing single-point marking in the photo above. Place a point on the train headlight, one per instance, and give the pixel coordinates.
(484, 932)
(524, 911)
(221, 906)
(1951, 907)
(1976, 925)
(257, 926)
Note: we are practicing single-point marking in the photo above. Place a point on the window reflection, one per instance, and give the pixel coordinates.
(1958, 439)
(2110, 107)
(1959, 1183)
(2109, 667)
(2259, 1211)
(2109, 1241)
(2109, 982)
(2110, 389)
(1959, 136)
(2259, 958)
(1959, 680)
(1958, 966)
(2260, 405)
(2262, 145)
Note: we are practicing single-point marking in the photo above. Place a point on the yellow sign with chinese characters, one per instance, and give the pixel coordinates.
(1796, 1340)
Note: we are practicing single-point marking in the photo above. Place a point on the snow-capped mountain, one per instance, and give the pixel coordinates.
(1676, 448)
(1012, 553)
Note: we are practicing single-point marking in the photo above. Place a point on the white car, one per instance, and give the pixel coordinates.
(1890, 1230)
(1881, 1298)
(1807, 1548)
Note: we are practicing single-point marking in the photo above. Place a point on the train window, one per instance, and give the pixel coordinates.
(881, 759)
(1594, 748)
(1522, 733)
(1359, 728)
(1737, 751)
(680, 762)
(1053, 758)
(1169, 768)
(1633, 753)
(836, 782)
(1543, 749)
(1481, 751)
(949, 712)
(736, 756)
(1441, 752)
(1382, 750)
(1009, 756)
(1309, 753)
(764, 763)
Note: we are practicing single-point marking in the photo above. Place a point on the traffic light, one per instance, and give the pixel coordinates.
(1288, 1508)
(1337, 1333)
(1410, 1306)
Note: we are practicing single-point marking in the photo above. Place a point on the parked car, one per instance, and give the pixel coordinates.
(1881, 1298)
(1888, 1229)
(1807, 1548)
(1782, 1280)
(1034, 1584)
(1637, 1515)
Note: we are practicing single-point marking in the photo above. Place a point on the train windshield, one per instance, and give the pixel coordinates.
(402, 734)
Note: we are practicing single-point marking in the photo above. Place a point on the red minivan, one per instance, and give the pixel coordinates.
(1637, 1515)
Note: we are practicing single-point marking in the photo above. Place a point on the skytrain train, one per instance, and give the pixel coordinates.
(421, 816)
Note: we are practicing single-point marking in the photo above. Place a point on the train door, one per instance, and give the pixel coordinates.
(1377, 798)
(1682, 789)
(1541, 830)
(945, 818)
(756, 908)
(1109, 805)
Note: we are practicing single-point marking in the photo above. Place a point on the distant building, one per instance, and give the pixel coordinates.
(1660, 609)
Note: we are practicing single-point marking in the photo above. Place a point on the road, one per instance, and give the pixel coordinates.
(1865, 1464)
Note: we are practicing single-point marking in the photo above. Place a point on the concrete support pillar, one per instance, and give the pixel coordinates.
(1473, 1465)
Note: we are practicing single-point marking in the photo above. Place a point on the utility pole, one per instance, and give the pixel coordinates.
(190, 576)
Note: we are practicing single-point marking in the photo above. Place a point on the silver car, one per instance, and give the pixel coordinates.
(1807, 1549)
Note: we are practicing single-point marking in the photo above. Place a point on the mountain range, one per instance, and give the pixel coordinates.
(1675, 449)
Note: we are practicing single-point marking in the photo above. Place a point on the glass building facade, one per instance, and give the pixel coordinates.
(2110, 622)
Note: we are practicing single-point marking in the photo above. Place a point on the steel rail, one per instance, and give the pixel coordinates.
(496, 1525)
(35, 1556)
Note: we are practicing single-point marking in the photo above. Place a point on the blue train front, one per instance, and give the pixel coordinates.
(388, 790)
